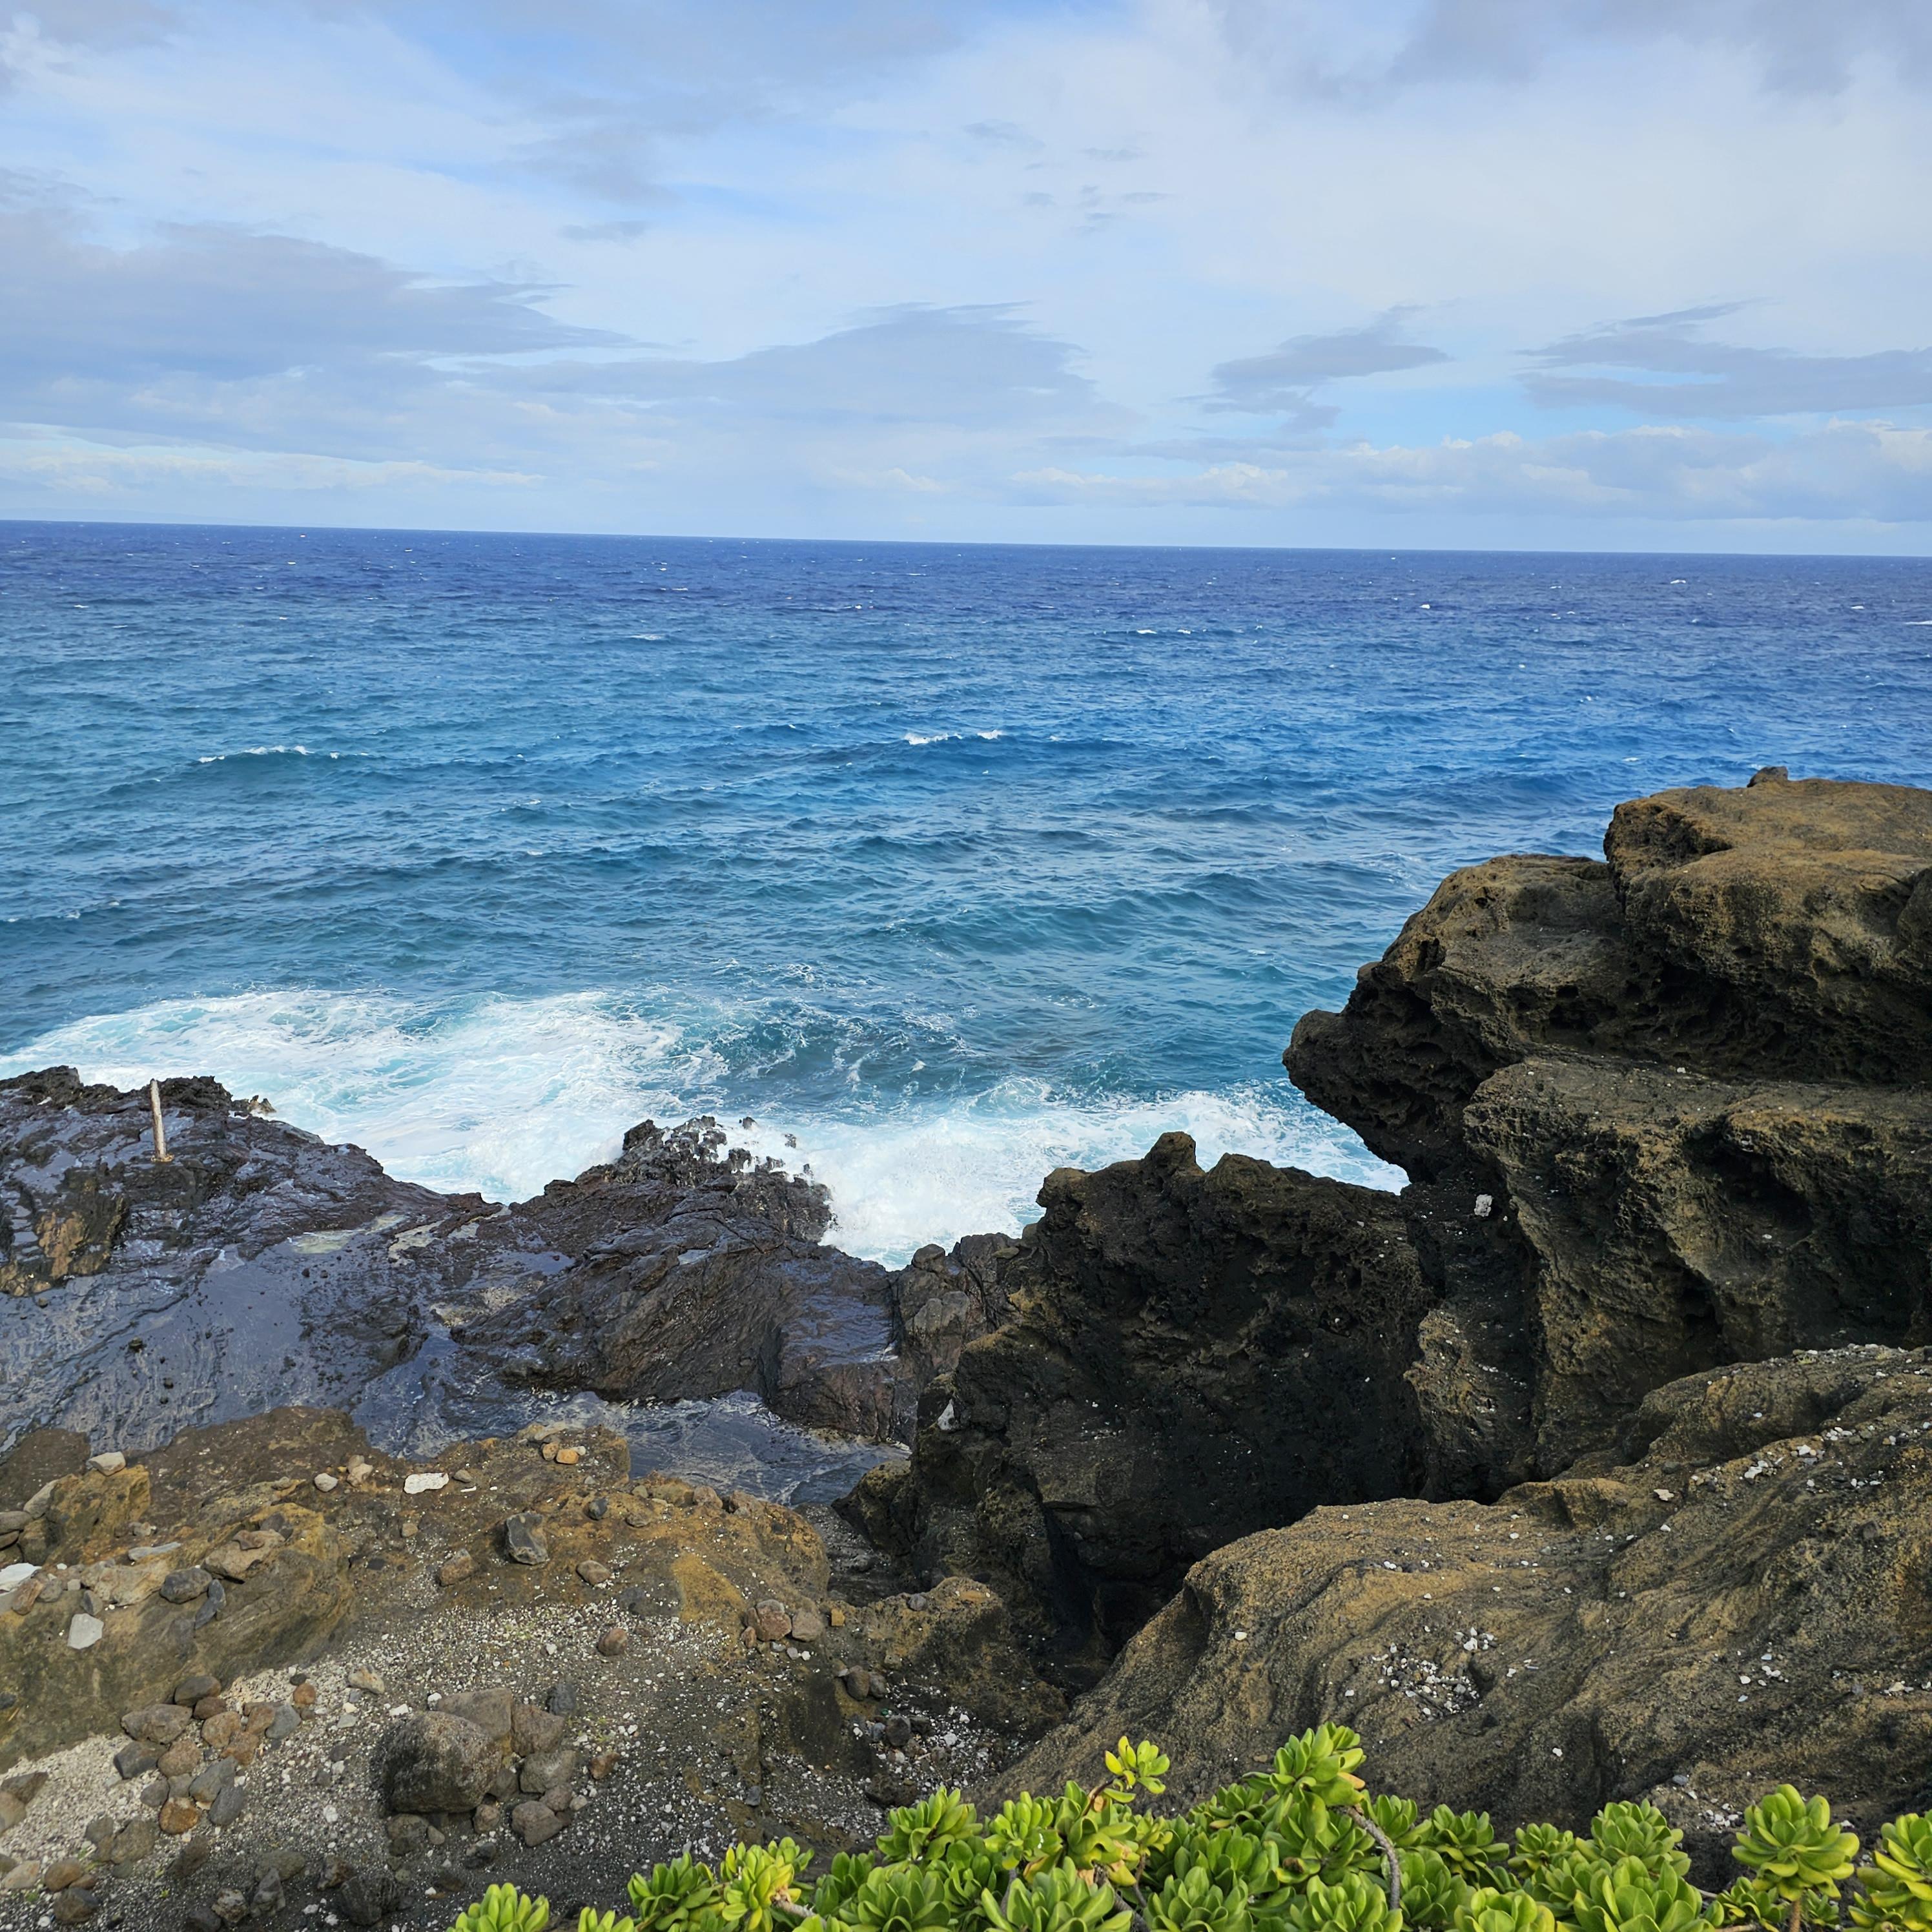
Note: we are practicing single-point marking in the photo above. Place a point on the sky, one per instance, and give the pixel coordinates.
(1492, 273)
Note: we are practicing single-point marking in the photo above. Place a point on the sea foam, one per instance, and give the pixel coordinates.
(503, 1095)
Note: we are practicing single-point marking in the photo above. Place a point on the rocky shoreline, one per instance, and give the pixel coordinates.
(1593, 1465)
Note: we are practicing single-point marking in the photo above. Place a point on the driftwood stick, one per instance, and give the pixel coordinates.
(160, 1132)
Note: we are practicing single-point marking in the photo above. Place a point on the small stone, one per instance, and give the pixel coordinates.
(548, 1450)
(303, 1695)
(84, 1632)
(211, 1781)
(183, 1586)
(209, 1707)
(534, 1823)
(230, 1907)
(108, 1462)
(773, 1622)
(598, 1508)
(594, 1573)
(488, 1815)
(1485, 1206)
(157, 1723)
(221, 1730)
(363, 1678)
(409, 1834)
(569, 1458)
(523, 1539)
(546, 1771)
(134, 1841)
(228, 1805)
(190, 1859)
(182, 1758)
(284, 1723)
(24, 1877)
(602, 1763)
(614, 1642)
(190, 1690)
(898, 1732)
(359, 1471)
(155, 1793)
(561, 1698)
(919, 1600)
(836, 1617)
(202, 1917)
(61, 1873)
(75, 1906)
(100, 1832)
(460, 1565)
(324, 1481)
(807, 1625)
(534, 1730)
(178, 1815)
(268, 1895)
(424, 1482)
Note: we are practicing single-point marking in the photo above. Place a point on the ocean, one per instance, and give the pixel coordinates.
(944, 866)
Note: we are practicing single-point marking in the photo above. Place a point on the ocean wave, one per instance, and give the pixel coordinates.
(501, 1095)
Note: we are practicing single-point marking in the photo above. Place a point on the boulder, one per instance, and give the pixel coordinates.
(436, 1761)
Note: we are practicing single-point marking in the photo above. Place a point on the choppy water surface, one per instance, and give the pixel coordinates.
(953, 864)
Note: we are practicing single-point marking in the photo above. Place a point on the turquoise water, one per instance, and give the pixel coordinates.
(951, 864)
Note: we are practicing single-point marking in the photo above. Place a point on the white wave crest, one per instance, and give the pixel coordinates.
(503, 1095)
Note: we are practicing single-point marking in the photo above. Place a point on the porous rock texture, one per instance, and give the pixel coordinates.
(1738, 1595)
(1192, 1355)
(1661, 1113)
(1692, 1080)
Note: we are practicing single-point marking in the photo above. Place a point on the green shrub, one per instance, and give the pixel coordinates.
(1299, 1846)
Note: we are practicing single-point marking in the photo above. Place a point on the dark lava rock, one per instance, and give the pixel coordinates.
(184, 1586)
(560, 1699)
(434, 1762)
(536, 1823)
(1173, 1377)
(523, 1539)
(366, 1896)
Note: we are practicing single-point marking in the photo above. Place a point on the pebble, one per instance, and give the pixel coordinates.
(773, 1622)
(424, 1481)
(190, 1690)
(75, 1906)
(324, 1481)
(178, 1817)
(84, 1632)
(523, 1539)
(460, 1565)
(24, 1877)
(594, 1573)
(569, 1457)
(535, 1823)
(560, 1699)
(363, 1678)
(359, 1472)
(614, 1642)
(61, 1873)
(183, 1586)
(15, 1574)
(228, 1805)
(108, 1462)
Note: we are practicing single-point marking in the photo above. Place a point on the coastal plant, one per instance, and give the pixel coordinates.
(1895, 1889)
(1300, 1846)
(1790, 1844)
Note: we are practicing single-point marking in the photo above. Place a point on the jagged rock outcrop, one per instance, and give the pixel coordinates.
(259, 1266)
(1739, 1595)
(1662, 1113)
(1691, 1079)
(1191, 1355)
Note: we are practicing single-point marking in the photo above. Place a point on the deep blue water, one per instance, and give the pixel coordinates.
(953, 863)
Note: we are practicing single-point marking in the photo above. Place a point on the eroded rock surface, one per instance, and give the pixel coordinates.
(1191, 1355)
(1738, 1596)
(1690, 1081)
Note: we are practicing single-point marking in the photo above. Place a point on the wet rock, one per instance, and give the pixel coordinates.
(436, 1761)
